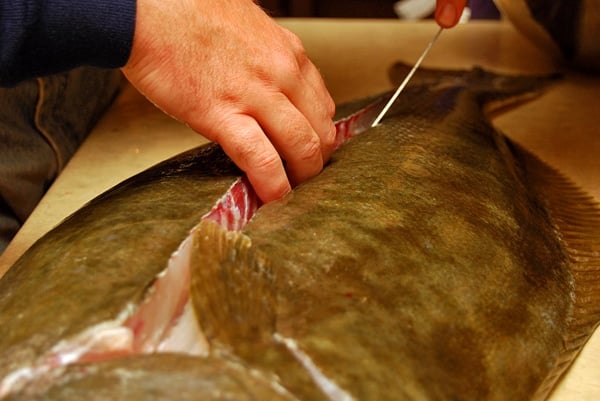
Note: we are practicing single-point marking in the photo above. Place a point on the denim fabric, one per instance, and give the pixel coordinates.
(42, 123)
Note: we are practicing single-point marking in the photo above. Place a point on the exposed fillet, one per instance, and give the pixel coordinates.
(164, 321)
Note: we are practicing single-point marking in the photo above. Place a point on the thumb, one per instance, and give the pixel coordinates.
(448, 12)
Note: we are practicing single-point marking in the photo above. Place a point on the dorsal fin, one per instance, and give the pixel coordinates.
(492, 90)
(576, 216)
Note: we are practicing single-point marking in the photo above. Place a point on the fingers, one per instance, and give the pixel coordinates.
(294, 110)
(258, 135)
(298, 120)
(310, 96)
(448, 12)
(309, 93)
(293, 137)
(244, 141)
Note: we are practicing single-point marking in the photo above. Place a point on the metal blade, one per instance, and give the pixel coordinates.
(408, 77)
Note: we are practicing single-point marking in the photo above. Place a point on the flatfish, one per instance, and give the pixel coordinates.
(432, 259)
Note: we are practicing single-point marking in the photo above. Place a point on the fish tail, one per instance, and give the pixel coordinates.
(576, 216)
(231, 288)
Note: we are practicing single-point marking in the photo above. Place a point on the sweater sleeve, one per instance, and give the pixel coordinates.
(40, 37)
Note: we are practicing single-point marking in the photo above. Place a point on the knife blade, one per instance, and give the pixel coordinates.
(405, 81)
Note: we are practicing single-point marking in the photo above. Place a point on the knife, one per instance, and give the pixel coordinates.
(371, 114)
(405, 81)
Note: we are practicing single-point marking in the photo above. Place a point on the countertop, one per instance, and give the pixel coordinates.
(353, 56)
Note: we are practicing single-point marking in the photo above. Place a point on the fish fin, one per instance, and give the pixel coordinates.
(495, 91)
(233, 293)
(231, 288)
(576, 216)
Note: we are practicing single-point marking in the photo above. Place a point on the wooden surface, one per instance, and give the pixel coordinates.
(353, 55)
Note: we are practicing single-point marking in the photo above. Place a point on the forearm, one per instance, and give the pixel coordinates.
(43, 37)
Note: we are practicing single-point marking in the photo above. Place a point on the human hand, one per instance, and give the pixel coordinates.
(227, 70)
(448, 12)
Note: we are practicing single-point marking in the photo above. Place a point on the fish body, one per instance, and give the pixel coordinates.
(423, 263)
(159, 377)
(431, 259)
(72, 292)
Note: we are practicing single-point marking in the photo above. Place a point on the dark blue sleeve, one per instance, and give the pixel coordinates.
(40, 37)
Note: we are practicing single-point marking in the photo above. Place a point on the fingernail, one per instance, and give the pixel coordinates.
(447, 17)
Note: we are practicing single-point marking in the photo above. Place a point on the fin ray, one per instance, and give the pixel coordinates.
(232, 287)
(576, 216)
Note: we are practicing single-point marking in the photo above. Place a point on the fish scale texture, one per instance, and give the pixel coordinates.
(418, 265)
(101, 260)
(432, 259)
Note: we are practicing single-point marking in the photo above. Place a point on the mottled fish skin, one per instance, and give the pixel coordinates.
(98, 278)
(418, 265)
(158, 377)
(106, 255)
